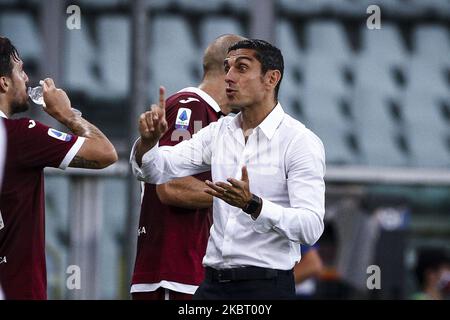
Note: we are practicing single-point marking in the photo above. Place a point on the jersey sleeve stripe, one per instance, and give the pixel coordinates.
(72, 152)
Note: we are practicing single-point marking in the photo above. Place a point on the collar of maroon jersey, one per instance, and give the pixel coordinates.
(209, 100)
(3, 115)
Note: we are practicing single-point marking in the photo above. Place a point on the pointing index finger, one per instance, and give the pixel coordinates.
(162, 99)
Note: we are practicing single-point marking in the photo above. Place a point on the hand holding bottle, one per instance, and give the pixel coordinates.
(57, 97)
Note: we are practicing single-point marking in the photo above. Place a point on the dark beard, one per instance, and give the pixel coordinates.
(18, 107)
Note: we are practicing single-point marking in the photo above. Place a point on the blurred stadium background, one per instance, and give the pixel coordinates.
(379, 100)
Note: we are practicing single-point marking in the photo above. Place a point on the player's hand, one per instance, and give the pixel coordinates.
(56, 101)
(153, 124)
(236, 193)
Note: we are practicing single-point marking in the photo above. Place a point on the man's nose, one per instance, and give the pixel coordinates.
(229, 77)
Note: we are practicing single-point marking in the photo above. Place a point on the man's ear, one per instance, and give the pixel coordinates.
(4, 84)
(273, 77)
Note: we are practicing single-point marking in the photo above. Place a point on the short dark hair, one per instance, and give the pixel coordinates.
(268, 55)
(7, 51)
(430, 259)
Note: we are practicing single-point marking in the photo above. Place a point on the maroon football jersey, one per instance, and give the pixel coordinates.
(31, 147)
(172, 241)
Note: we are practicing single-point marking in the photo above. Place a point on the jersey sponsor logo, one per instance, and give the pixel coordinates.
(31, 124)
(190, 99)
(59, 135)
(183, 117)
(3, 260)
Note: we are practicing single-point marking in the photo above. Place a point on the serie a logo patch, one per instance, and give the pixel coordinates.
(59, 135)
(183, 117)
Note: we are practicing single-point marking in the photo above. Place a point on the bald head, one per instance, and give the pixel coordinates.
(216, 52)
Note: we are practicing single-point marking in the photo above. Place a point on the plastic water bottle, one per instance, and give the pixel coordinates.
(36, 94)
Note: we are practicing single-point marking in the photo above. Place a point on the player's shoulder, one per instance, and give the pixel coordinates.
(299, 132)
(20, 124)
(186, 99)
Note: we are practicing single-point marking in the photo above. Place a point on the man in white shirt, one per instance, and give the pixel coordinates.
(268, 172)
(2, 166)
(2, 151)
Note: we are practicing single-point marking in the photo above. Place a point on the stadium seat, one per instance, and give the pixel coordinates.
(213, 5)
(373, 74)
(174, 56)
(23, 31)
(237, 5)
(432, 42)
(321, 72)
(427, 74)
(212, 27)
(80, 57)
(101, 3)
(114, 55)
(344, 7)
(385, 44)
(290, 94)
(324, 116)
(378, 131)
(428, 127)
(290, 89)
(328, 57)
(435, 7)
(327, 37)
(286, 40)
(304, 7)
(192, 5)
(161, 4)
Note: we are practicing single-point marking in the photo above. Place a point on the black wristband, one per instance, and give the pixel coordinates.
(253, 205)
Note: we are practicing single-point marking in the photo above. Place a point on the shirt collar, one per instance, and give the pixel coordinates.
(212, 103)
(269, 124)
(3, 115)
(272, 121)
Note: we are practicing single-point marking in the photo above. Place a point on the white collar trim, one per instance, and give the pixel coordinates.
(213, 104)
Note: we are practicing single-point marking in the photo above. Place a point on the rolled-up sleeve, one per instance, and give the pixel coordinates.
(162, 164)
(302, 222)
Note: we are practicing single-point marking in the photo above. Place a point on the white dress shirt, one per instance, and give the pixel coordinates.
(286, 167)
(2, 164)
(2, 150)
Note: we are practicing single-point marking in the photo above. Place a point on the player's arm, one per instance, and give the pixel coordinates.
(97, 151)
(185, 193)
(309, 266)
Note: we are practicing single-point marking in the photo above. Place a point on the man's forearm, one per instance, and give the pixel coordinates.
(185, 192)
(97, 151)
(84, 128)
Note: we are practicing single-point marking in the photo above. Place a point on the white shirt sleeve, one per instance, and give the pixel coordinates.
(2, 150)
(189, 157)
(303, 221)
(135, 168)
(72, 153)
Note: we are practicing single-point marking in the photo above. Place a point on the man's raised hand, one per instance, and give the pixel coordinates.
(153, 124)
